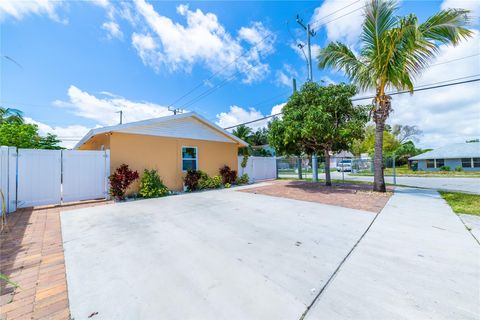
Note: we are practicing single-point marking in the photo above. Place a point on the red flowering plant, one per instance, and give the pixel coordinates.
(120, 180)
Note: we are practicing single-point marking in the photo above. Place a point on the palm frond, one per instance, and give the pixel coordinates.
(447, 26)
(338, 56)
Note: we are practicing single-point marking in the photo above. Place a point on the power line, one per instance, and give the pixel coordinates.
(364, 98)
(332, 13)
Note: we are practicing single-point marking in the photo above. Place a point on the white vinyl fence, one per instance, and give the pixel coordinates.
(259, 168)
(32, 177)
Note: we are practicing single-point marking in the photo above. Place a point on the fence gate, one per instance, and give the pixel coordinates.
(84, 175)
(259, 168)
(39, 177)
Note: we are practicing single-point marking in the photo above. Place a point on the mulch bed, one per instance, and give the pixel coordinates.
(354, 196)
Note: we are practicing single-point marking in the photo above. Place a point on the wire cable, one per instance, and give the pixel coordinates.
(365, 98)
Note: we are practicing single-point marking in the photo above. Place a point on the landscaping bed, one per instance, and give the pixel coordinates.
(348, 195)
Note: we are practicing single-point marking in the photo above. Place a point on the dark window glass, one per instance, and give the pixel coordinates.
(189, 164)
(440, 163)
(430, 164)
(466, 162)
(476, 162)
(189, 153)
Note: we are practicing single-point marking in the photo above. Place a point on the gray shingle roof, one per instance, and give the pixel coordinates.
(452, 151)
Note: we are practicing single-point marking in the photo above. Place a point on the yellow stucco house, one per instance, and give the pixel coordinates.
(171, 145)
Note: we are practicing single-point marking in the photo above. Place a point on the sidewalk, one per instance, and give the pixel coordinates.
(418, 261)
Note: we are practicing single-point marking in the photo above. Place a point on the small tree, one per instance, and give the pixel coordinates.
(120, 180)
(320, 119)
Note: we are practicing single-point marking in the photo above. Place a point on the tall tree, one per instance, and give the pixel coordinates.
(394, 50)
(320, 119)
(243, 132)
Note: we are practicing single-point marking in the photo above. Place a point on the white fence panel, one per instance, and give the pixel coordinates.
(39, 177)
(84, 174)
(259, 168)
(4, 177)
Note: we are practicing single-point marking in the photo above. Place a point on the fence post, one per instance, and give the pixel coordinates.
(394, 172)
(107, 173)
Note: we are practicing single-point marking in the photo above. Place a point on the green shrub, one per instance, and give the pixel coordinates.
(227, 185)
(210, 182)
(459, 169)
(151, 186)
(243, 179)
(444, 168)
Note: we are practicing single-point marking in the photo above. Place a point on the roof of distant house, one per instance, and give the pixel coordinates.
(452, 151)
(175, 126)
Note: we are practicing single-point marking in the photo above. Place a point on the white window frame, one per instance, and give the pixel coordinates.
(435, 162)
(196, 157)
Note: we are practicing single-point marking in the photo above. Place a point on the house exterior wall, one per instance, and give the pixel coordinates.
(452, 163)
(164, 154)
(96, 143)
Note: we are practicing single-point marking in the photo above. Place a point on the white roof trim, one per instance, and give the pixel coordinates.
(120, 127)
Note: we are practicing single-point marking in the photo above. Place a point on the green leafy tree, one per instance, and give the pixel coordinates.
(26, 136)
(320, 119)
(367, 144)
(394, 50)
(259, 137)
(243, 132)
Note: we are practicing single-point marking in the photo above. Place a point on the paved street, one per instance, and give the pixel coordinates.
(470, 185)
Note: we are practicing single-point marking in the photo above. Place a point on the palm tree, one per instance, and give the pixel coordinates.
(243, 132)
(394, 50)
(11, 116)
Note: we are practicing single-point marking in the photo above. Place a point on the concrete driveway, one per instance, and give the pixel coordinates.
(211, 255)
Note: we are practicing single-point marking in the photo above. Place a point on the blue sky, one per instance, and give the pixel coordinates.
(80, 62)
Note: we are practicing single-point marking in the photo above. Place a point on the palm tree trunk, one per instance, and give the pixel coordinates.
(378, 180)
(328, 179)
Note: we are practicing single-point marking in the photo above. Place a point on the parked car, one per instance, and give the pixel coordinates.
(344, 165)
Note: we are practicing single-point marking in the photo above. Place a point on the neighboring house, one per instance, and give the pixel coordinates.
(335, 158)
(464, 155)
(171, 145)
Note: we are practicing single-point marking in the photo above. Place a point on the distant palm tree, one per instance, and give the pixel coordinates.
(12, 116)
(394, 50)
(243, 132)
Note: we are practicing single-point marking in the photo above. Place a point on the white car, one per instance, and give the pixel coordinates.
(344, 165)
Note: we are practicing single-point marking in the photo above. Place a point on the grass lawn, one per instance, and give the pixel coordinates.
(463, 202)
(405, 172)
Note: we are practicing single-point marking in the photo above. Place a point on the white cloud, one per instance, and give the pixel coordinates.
(20, 9)
(202, 40)
(345, 29)
(284, 77)
(472, 5)
(449, 114)
(69, 135)
(237, 115)
(103, 110)
(113, 30)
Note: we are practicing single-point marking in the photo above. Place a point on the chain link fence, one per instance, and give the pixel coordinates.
(341, 168)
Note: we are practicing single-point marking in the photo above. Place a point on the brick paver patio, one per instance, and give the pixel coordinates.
(31, 255)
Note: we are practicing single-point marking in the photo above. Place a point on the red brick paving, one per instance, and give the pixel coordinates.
(354, 196)
(31, 255)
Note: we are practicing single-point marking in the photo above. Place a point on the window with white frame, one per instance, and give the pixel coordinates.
(430, 163)
(189, 158)
(439, 163)
(476, 162)
(466, 162)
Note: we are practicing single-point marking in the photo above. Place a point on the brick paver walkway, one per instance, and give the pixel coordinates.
(31, 255)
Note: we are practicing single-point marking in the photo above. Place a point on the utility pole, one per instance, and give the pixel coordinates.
(121, 116)
(310, 33)
(299, 158)
(175, 110)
